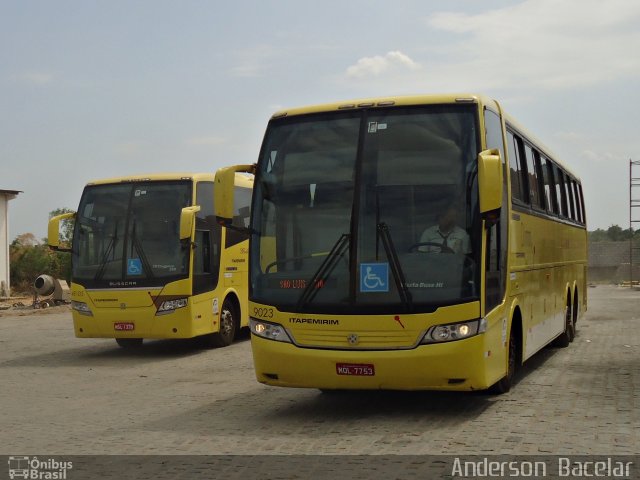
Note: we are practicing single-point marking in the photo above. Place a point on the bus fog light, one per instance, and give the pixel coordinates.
(270, 331)
(454, 331)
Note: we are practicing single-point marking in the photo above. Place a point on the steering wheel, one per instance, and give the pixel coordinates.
(443, 248)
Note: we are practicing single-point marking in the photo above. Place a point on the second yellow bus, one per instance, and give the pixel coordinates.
(149, 260)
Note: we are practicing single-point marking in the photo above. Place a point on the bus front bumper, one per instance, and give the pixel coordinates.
(458, 365)
(135, 323)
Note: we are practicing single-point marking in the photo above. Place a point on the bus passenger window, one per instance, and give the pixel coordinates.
(560, 191)
(534, 190)
(577, 201)
(545, 201)
(549, 186)
(572, 208)
(517, 183)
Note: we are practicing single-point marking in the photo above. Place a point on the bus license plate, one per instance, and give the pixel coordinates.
(358, 369)
(124, 326)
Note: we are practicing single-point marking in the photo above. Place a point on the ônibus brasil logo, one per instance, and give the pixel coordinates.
(34, 468)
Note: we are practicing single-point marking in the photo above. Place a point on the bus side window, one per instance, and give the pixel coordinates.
(241, 212)
(560, 191)
(516, 172)
(572, 208)
(549, 186)
(493, 129)
(577, 201)
(532, 177)
(584, 216)
(208, 233)
(545, 200)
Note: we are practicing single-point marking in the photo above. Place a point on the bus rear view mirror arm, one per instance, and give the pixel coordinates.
(490, 179)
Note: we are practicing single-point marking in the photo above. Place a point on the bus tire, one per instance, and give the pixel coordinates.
(567, 336)
(504, 384)
(229, 321)
(129, 342)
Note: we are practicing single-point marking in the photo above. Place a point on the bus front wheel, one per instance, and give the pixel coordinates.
(504, 384)
(229, 321)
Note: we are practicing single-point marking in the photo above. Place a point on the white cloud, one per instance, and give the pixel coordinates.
(541, 43)
(253, 62)
(34, 78)
(378, 65)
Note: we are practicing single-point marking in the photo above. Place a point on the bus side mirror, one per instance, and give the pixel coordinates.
(187, 219)
(53, 232)
(490, 180)
(223, 191)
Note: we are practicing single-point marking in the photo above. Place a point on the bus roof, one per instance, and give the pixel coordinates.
(406, 100)
(240, 181)
(433, 99)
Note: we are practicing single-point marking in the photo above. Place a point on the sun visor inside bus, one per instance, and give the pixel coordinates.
(427, 160)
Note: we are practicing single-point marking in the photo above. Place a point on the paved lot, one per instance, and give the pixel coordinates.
(65, 396)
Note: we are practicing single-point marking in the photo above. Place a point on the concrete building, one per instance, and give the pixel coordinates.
(5, 196)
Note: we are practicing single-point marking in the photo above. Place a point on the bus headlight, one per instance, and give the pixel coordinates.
(82, 308)
(169, 306)
(454, 331)
(270, 331)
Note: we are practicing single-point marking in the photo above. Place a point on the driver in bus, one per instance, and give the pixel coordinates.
(446, 236)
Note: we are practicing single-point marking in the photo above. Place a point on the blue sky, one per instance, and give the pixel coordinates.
(93, 89)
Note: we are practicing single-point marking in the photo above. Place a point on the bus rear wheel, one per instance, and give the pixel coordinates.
(567, 336)
(229, 321)
(129, 342)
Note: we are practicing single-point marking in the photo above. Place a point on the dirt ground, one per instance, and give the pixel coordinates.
(23, 305)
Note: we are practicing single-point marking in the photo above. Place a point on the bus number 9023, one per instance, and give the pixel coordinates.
(263, 312)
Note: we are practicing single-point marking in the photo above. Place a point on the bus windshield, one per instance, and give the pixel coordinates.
(368, 210)
(127, 234)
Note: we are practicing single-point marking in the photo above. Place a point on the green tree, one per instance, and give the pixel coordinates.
(598, 235)
(30, 257)
(614, 233)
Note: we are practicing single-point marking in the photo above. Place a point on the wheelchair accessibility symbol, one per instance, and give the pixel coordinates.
(134, 266)
(374, 277)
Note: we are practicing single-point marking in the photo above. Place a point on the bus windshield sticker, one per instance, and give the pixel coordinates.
(374, 277)
(373, 127)
(134, 266)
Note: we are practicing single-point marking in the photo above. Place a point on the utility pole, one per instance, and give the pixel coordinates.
(634, 212)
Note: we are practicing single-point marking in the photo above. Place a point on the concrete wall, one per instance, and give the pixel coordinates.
(609, 262)
(4, 246)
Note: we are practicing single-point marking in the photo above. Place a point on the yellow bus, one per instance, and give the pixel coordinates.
(149, 260)
(424, 242)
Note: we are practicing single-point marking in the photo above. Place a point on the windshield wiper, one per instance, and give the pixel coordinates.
(105, 257)
(135, 244)
(394, 263)
(324, 270)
